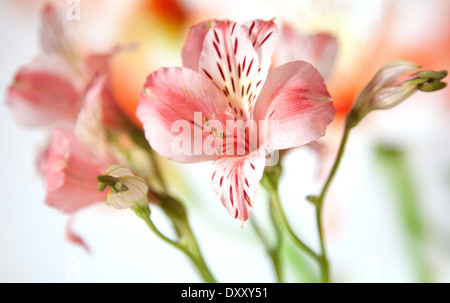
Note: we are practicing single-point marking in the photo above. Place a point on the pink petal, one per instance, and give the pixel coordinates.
(73, 237)
(236, 181)
(194, 43)
(71, 175)
(98, 65)
(320, 49)
(174, 95)
(296, 99)
(90, 129)
(229, 59)
(54, 36)
(45, 93)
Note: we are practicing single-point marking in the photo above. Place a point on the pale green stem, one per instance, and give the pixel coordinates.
(195, 257)
(278, 210)
(319, 201)
(271, 251)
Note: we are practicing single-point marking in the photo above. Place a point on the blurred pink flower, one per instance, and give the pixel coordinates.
(50, 90)
(70, 173)
(319, 49)
(226, 78)
(45, 93)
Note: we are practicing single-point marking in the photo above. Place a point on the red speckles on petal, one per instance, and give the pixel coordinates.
(231, 196)
(214, 174)
(216, 47)
(236, 43)
(232, 28)
(207, 74)
(216, 36)
(249, 67)
(221, 71)
(251, 27)
(265, 39)
(226, 92)
(247, 199)
(232, 85)
(240, 182)
(221, 181)
(248, 88)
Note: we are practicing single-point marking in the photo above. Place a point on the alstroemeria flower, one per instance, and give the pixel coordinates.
(227, 78)
(70, 173)
(318, 49)
(50, 90)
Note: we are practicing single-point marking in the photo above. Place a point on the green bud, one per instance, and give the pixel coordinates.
(432, 86)
(312, 199)
(416, 81)
(101, 186)
(120, 187)
(108, 180)
(433, 75)
(127, 190)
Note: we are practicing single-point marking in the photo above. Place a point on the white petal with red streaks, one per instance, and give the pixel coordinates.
(194, 43)
(236, 181)
(230, 61)
(263, 35)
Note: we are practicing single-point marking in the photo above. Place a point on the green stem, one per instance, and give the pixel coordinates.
(319, 201)
(157, 169)
(278, 209)
(272, 252)
(337, 161)
(200, 262)
(196, 258)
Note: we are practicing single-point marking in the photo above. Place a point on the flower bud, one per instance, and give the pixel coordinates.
(389, 87)
(127, 190)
